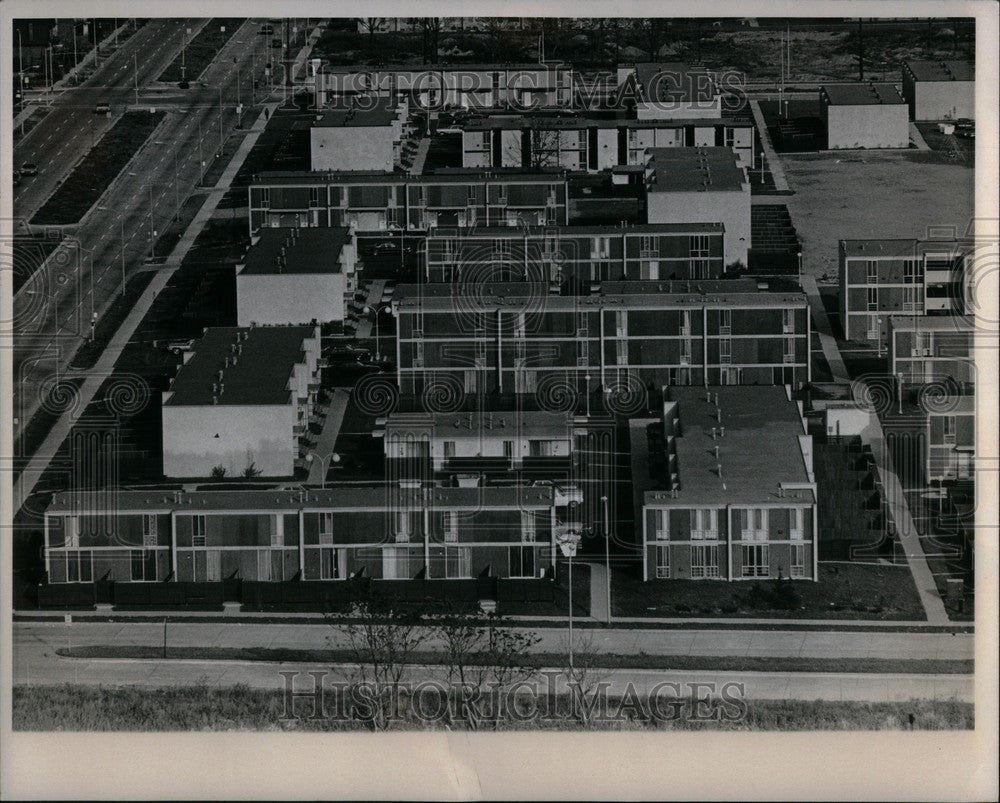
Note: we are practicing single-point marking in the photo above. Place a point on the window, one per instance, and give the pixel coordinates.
(787, 321)
(686, 351)
(725, 350)
(148, 530)
(328, 564)
(910, 267)
(265, 197)
(871, 271)
(662, 524)
(521, 561)
(704, 561)
(704, 524)
(755, 560)
(621, 352)
(264, 564)
(698, 246)
(949, 428)
(539, 448)
(601, 247)
(729, 136)
(873, 327)
(470, 383)
(621, 322)
(457, 561)
(313, 197)
(872, 298)
(197, 531)
(326, 528)
(725, 321)
(798, 560)
(277, 530)
(795, 523)
(909, 299)
(527, 526)
(662, 562)
(450, 526)
(685, 323)
(753, 524)
(508, 450)
(789, 353)
(449, 449)
(143, 564)
(402, 525)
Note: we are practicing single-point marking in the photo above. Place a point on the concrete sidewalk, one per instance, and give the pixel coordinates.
(773, 162)
(328, 437)
(825, 331)
(104, 367)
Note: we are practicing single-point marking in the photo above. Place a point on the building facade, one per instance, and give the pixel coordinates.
(240, 401)
(361, 136)
(864, 116)
(373, 531)
(560, 254)
(883, 278)
(380, 202)
(700, 185)
(940, 90)
(296, 276)
(516, 338)
(932, 349)
(728, 491)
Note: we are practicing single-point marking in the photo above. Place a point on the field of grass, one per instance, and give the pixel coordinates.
(844, 591)
(202, 708)
(202, 49)
(94, 174)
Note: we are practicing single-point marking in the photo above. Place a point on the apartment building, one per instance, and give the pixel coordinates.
(592, 143)
(931, 436)
(442, 86)
(726, 488)
(940, 90)
(371, 202)
(672, 90)
(576, 254)
(241, 399)
(365, 134)
(883, 278)
(700, 185)
(864, 116)
(932, 349)
(296, 276)
(514, 338)
(273, 535)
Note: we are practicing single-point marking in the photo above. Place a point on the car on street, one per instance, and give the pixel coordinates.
(29, 169)
(267, 29)
(175, 346)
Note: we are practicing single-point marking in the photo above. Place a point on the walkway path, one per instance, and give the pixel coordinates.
(104, 367)
(773, 162)
(328, 437)
(599, 604)
(822, 323)
(917, 138)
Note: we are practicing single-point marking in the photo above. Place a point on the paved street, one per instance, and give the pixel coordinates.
(115, 237)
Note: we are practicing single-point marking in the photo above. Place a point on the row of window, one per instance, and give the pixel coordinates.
(911, 270)
(755, 561)
(750, 523)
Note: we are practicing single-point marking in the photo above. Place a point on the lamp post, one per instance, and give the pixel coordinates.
(568, 542)
(324, 462)
(607, 553)
(375, 310)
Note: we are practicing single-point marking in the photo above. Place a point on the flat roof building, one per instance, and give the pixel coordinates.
(365, 134)
(668, 90)
(726, 486)
(241, 398)
(940, 90)
(864, 116)
(296, 276)
(933, 349)
(700, 185)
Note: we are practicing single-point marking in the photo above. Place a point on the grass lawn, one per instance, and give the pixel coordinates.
(91, 351)
(202, 49)
(844, 591)
(30, 252)
(202, 708)
(94, 174)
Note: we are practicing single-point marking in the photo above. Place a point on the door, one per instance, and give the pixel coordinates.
(213, 562)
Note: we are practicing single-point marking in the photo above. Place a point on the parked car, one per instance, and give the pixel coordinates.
(965, 133)
(17, 179)
(102, 108)
(276, 42)
(266, 29)
(29, 169)
(965, 123)
(176, 346)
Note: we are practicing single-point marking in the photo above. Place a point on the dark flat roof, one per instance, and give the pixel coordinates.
(897, 248)
(493, 232)
(706, 169)
(759, 450)
(368, 497)
(308, 250)
(675, 82)
(382, 113)
(574, 122)
(449, 176)
(468, 424)
(261, 373)
(649, 294)
(942, 70)
(932, 323)
(862, 95)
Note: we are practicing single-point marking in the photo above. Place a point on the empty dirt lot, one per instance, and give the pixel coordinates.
(872, 194)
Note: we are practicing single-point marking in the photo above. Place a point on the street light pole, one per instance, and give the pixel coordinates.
(122, 219)
(135, 62)
(152, 242)
(607, 554)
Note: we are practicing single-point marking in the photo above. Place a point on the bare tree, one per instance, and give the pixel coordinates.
(371, 25)
(382, 640)
(587, 681)
(545, 150)
(430, 29)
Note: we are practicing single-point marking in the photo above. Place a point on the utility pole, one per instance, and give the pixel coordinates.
(201, 157)
(220, 120)
(122, 219)
(177, 196)
(183, 55)
(135, 61)
(861, 50)
(97, 45)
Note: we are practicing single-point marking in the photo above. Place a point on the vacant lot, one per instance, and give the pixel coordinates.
(872, 194)
(102, 164)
